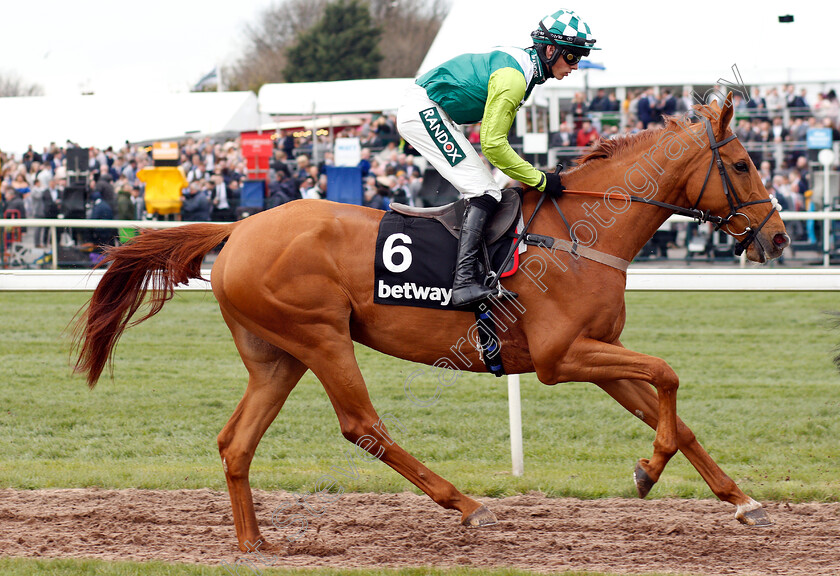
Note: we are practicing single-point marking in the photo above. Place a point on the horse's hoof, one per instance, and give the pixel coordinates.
(643, 482)
(480, 517)
(752, 514)
(259, 545)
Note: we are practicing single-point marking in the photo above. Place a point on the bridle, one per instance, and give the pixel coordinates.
(702, 216)
(735, 203)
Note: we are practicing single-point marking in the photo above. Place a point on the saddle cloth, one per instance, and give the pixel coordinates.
(415, 254)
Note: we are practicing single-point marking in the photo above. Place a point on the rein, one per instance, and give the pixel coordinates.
(702, 216)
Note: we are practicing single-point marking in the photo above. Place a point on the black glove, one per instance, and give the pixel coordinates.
(553, 187)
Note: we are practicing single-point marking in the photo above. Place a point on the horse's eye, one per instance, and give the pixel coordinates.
(742, 166)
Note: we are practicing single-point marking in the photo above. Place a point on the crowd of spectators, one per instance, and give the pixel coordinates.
(770, 115)
(37, 183)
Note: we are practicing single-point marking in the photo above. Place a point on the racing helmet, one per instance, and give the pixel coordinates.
(568, 33)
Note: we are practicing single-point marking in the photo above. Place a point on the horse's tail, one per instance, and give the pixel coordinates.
(155, 261)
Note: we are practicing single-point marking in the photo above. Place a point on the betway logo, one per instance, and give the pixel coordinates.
(411, 291)
(441, 136)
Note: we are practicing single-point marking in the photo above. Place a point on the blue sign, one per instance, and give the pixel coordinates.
(818, 138)
(584, 64)
(345, 184)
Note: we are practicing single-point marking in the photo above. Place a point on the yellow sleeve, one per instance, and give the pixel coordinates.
(505, 91)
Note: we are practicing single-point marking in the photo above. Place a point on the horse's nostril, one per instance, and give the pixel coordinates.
(781, 240)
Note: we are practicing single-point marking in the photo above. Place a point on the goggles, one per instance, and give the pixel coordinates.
(570, 57)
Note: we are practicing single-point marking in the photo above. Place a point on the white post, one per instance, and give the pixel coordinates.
(826, 158)
(54, 246)
(827, 224)
(314, 136)
(515, 409)
(553, 114)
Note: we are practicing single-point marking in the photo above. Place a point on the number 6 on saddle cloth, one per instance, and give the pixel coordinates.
(416, 249)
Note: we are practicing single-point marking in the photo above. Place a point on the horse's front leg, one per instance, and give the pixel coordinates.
(591, 360)
(640, 399)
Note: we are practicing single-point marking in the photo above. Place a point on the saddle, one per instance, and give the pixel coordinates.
(452, 215)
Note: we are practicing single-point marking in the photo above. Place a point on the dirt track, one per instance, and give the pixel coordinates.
(374, 530)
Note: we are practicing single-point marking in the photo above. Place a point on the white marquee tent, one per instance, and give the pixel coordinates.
(325, 98)
(102, 121)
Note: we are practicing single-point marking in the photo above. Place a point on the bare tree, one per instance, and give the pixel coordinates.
(409, 28)
(267, 40)
(13, 85)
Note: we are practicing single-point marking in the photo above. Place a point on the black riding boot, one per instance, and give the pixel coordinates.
(468, 287)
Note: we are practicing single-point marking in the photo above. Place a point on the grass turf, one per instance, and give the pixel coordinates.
(757, 387)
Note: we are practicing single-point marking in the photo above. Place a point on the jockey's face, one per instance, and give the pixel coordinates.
(561, 68)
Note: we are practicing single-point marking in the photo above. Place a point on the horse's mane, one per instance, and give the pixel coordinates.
(614, 147)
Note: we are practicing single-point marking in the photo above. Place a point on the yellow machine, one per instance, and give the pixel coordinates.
(164, 181)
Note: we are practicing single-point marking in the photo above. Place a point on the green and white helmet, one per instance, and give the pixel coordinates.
(565, 28)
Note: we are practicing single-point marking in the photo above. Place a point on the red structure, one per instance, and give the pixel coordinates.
(257, 148)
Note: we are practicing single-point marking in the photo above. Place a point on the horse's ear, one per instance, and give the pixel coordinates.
(726, 114)
(714, 109)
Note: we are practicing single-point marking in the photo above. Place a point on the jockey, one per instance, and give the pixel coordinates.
(489, 88)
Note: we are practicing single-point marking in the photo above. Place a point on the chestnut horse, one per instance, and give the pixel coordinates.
(295, 285)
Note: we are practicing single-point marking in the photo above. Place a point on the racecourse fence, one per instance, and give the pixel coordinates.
(638, 279)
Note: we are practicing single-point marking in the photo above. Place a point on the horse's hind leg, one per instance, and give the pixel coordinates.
(640, 399)
(272, 374)
(360, 424)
